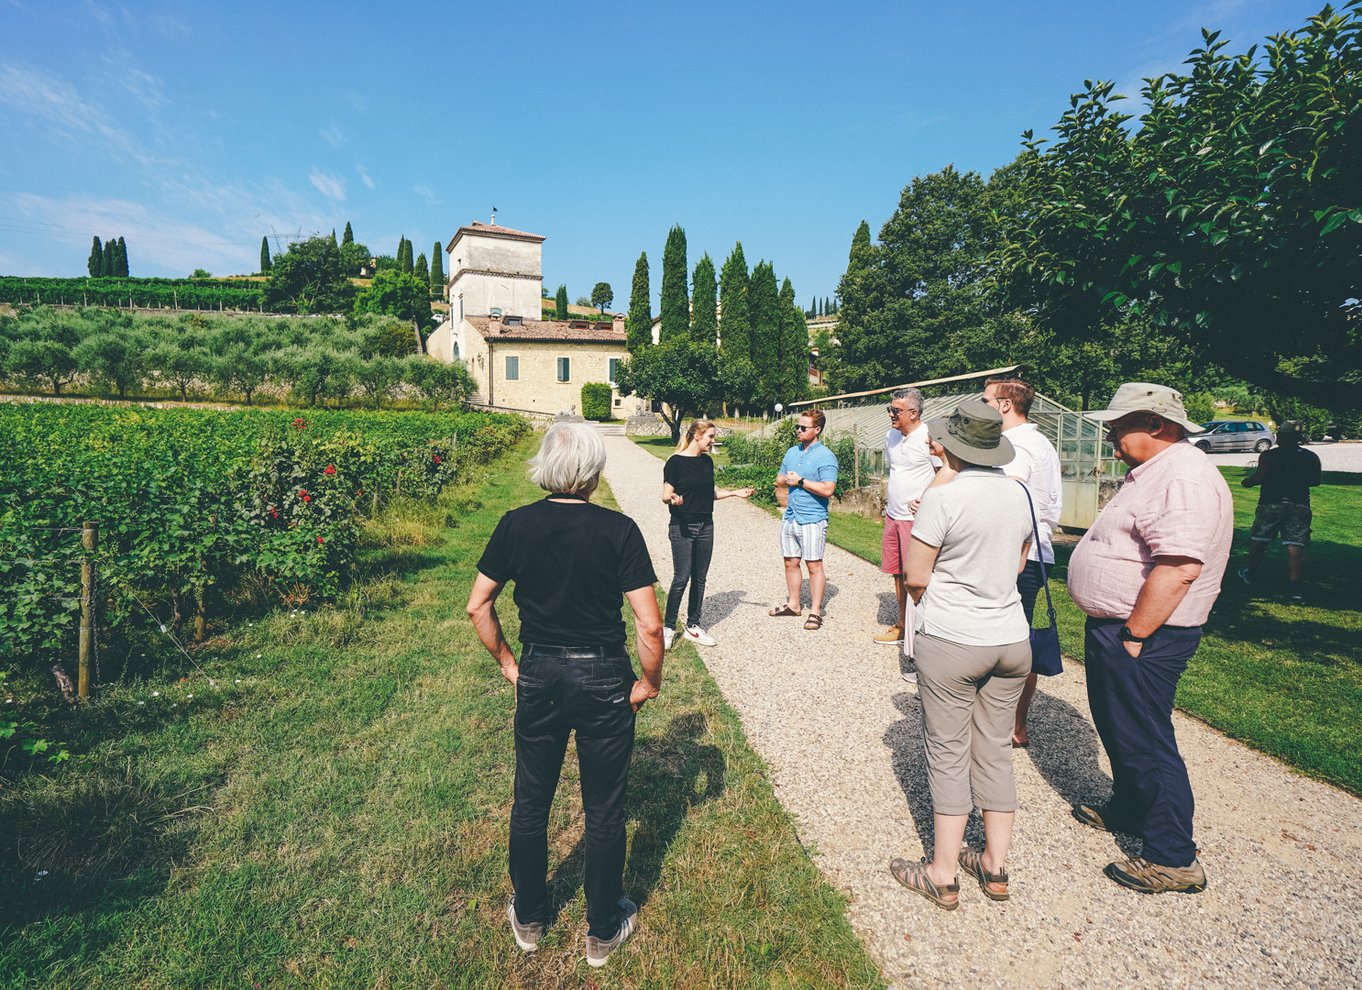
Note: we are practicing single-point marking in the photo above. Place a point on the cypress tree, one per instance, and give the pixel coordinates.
(421, 270)
(763, 308)
(704, 322)
(106, 260)
(265, 264)
(333, 236)
(675, 305)
(349, 236)
(404, 260)
(560, 303)
(639, 326)
(794, 344)
(122, 258)
(735, 329)
(437, 272)
(96, 262)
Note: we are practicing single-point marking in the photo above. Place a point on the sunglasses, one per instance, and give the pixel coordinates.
(801, 427)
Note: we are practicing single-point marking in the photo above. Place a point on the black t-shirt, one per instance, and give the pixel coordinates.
(1287, 474)
(693, 480)
(572, 563)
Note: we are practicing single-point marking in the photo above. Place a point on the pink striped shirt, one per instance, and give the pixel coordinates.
(1175, 504)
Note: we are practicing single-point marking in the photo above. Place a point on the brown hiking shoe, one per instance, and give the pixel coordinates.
(1099, 816)
(1154, 878)
(892, 636)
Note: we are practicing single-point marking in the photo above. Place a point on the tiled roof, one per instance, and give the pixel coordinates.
(495, 230)
(560, 330)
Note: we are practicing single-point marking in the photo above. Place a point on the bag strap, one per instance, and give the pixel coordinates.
(1040, 556)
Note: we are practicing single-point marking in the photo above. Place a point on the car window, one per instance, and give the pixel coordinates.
(1257, 427)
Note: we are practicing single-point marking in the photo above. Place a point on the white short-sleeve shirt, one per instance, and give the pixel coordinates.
(1037, 464)
(911, 469)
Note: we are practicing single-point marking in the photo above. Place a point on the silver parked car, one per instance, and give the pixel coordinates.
(1235, 434)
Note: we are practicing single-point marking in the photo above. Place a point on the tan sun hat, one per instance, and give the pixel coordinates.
(1135, 397)
(973, 433)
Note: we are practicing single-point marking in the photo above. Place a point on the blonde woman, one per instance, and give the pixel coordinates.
(689, 492)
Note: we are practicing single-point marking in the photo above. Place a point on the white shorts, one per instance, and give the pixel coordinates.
(805, 540)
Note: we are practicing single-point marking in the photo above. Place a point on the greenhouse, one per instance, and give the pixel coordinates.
(1085, 458)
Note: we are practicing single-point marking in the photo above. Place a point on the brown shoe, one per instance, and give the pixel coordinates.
(1154, 878)
(893, 636)
(1099, 816)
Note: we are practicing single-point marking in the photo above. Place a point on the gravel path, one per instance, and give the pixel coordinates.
(841, 733)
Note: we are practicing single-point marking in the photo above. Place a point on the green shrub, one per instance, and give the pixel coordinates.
(596, 398)
(1200, 406)
(1314, 421)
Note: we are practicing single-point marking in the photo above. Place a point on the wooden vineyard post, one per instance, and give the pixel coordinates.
(89, 540)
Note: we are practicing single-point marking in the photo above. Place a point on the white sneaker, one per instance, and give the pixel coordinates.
(697, 635)
(909, 670)
(526, 936)
(668, 637)
(598, 949)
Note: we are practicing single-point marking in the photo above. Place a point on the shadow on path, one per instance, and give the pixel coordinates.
(670, 775)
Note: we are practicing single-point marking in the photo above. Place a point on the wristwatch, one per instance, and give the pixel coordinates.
(799, 483)
(1126, 636)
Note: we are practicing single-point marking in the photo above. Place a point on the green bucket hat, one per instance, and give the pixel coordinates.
(973, 433)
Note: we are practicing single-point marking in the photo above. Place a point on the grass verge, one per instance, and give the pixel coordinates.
(1283, 677)
(333, 812)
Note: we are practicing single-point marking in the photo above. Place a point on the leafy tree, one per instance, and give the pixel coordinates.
(794, 346)
(704, 302)
(239, 369)
(392, 293)
(422, 271)
(113, 360)
(675, 304)
(738, 374)
(439, 382)
(437, 272)
(178, 366)
(122, 268)
(763, 307)
(109, 258)
(404, 259)
(349, 236)
(385, 336)
(354, 256)
(309, 278)
(560, 303)
(602, 295)
(96, 263)
(680, 373)
(639, 327)
(48, 362)
(1229, 216)
(264, 256)
(378, 378)
(201, 273)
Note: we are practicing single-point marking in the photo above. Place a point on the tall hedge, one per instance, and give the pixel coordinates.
(596, 398)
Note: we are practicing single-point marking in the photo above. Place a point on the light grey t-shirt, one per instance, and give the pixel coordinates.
(980, 520)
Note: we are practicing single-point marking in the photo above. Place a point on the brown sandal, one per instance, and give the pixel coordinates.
(782, 610)
(814, 622)
(972, 862)
(914, 877)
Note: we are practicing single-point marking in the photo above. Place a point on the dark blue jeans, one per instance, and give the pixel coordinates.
(692, 549)
(1132, 706)
(562, 690)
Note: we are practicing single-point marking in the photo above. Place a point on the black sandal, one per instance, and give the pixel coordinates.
(814, 622)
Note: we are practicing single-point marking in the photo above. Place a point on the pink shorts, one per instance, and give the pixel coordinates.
(894, 548)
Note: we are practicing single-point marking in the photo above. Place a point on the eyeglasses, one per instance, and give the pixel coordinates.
(895, 411)
(1115, 430)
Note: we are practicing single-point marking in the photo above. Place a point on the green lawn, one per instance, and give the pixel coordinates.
(663, 447)
(1285, 678)
(334, 813)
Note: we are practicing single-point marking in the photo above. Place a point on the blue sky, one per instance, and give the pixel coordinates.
(194, 129)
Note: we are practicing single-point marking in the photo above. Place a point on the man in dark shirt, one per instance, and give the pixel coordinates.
(1287, 472)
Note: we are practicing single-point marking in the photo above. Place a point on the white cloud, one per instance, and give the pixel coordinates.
(330, 186)
(155, 238)
(428, 194)
(364, 175)
(333, 135)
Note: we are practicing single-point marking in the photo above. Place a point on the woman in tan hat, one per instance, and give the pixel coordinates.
(972, 648)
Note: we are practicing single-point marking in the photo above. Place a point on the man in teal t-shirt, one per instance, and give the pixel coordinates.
(809, 474)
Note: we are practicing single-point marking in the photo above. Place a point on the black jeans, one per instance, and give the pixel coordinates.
(692, 549)
(561, 690)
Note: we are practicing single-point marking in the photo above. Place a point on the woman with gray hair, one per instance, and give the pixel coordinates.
(573, 564)
(972, 645)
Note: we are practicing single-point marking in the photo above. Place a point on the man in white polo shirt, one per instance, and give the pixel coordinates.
(1036, 465)
(911, 469)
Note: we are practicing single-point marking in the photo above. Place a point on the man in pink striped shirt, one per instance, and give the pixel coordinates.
(1147, 574)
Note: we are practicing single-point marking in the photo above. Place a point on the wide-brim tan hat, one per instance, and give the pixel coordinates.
(1146, 397)
(973, 433)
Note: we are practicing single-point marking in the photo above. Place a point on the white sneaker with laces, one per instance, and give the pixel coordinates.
(668, 637)
(598, 949)
(697, 635)
(526, 936)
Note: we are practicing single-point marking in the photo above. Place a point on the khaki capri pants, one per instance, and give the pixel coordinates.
(969, 701)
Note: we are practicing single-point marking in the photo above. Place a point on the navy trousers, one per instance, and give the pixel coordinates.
(563, 690)
(1132, 706)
